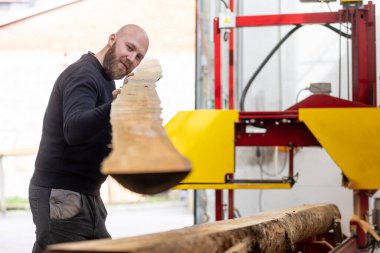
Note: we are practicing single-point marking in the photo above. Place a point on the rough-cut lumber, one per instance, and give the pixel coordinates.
(143, 158)
(270, 232)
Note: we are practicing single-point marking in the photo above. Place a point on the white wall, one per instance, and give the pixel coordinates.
(29, 67)
(310, 55)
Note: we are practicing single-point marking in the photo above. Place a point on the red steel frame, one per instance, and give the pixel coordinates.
(218, 104)
(363, 89)
(363, 38)
(231, 102)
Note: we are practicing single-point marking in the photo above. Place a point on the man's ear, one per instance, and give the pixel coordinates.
(111, 39)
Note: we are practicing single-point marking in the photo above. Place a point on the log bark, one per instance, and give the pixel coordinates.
(143, 158)
(270, 232)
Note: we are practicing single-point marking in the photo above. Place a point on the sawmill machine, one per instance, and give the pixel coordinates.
(320, 120)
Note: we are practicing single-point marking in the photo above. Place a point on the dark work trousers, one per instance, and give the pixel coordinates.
(65, 216)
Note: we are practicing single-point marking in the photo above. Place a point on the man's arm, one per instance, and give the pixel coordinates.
(81, 118)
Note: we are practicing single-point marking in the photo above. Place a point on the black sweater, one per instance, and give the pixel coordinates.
(76, 129)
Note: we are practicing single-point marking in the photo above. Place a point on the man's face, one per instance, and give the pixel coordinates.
(124, 55)
(111, 64)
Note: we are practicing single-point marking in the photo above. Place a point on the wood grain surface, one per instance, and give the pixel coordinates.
(270, 232)
(143, 158)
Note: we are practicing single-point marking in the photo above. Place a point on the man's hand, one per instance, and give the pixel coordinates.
(115, 93)
(126, 78)
(118, 91)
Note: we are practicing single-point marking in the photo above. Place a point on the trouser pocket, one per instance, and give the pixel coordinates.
(64, 204)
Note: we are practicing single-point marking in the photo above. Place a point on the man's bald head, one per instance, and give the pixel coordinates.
(126, 49)
(134, 30)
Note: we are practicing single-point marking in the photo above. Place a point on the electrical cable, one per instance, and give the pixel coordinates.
(224, 3)
(328, 6)
(237, 213)
(226, 35)
(338, 31)
(246, 88)
(260, 197)
(264, 62)
(261, 162)
(264, 172)
(299, 92)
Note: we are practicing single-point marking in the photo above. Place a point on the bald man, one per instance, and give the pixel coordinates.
(64, 191)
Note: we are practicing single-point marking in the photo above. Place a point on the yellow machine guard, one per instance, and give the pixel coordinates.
(206, 138)
(351, 136)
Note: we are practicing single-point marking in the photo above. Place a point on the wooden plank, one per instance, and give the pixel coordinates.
(270, 232)
(143, 158)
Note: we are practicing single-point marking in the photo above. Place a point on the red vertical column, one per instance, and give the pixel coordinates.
(217, 105)
(231, 67)
(361, 208)
(363, 56)
(231, 101)
(217, 66)
(363, 88)
(371, 48)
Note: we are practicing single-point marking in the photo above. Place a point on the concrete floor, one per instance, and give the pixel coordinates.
(17, 228)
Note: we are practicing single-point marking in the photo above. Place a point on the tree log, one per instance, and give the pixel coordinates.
(143, 158)
(270, 232)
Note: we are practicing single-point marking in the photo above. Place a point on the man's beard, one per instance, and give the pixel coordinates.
(110, 64)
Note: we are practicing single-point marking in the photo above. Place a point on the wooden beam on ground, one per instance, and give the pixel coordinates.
(269, 232)
(143, 158)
